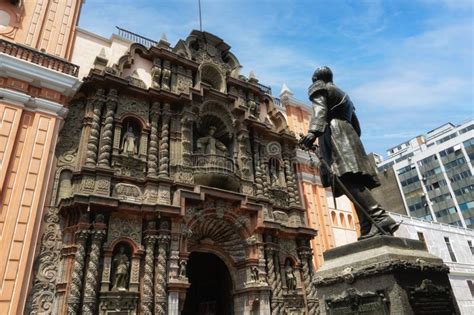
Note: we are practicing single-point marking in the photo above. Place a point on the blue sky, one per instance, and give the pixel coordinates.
(407, 64)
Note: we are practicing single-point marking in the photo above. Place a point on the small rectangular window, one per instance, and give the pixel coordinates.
(450, 249)
(421, 237)
(471, 287)
(470, 246)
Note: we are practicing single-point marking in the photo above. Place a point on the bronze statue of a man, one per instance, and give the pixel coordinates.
(335, 124)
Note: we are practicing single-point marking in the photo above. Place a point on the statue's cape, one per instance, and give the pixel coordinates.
(316, 86)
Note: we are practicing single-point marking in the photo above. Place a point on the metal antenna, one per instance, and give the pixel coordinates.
(200, 17)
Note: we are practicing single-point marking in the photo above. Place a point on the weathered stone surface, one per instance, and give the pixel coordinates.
(383, 275)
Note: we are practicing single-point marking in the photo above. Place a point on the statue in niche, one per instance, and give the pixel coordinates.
(254, 274)
(274, 174)
(290, 276)
(182, 269)
(121, 264)
(210, 145)
(129, 142)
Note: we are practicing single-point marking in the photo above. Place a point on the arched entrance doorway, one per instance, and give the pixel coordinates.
(210, 292)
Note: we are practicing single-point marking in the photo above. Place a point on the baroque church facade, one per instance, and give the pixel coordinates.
(174, 192)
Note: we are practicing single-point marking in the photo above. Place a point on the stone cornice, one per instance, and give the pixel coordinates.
(31, 103)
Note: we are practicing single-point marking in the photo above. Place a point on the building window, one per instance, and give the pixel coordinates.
(450, 249)
(470, 246)
(471, 287)
(421, 237)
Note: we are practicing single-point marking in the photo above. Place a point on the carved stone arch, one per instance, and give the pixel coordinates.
(209, 230)
(226, 259)
(219, 110)
(136, 248)
(182, 49)
(143, 124)
(233, 63)
(211, 74)
(279, 121)
(127, 60)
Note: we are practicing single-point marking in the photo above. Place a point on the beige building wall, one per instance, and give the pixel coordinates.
(46, 25)
(33, 94)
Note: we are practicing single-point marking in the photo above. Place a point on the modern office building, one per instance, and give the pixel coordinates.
(36, 82)
(434, 173)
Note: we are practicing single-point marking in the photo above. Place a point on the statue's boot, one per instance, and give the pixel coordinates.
(384, 221)
(374, 209)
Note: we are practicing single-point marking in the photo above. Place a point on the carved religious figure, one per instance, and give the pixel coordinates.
(210, 144)
(290, 277)
(120, 275)
(129, 142)
(182, 269)
(254, 274)
(274, 174)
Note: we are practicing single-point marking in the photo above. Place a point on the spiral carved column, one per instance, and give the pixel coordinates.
(305, 256)
(77, 273)
(258, 177)
(160, 275)
(92, 273)
(107, 134)
(290, 181)
(93, 143)
(278, 282)
(150, 241)
(153, 150)
(164, 143)
(269, 251)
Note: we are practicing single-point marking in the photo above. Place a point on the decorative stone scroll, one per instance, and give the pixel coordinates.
(125, 227)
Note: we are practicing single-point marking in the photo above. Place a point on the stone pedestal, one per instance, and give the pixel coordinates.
(384, 275)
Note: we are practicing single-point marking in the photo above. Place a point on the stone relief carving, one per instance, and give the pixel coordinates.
(127, 192)
(165, 76)
(129, 104)
(156, 73)
(125, 227)
(46, 266)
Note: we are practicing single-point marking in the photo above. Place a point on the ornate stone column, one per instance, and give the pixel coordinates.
(305, 258)
(89, 304)
(279, 283)
(269, 253)
(153, 149)
(74, 299)
(164, 143)
(290, 180)
(107, 134)
(160, 274)
(186, 138)
(147, 302)
(93, 143)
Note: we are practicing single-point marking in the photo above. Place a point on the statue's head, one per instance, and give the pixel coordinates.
(121, 249)
(323, 73)
(212, 130)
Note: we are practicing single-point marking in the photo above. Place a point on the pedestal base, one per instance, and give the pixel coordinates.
(384, 275)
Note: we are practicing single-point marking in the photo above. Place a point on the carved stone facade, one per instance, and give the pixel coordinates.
(150, 178)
